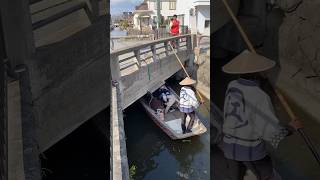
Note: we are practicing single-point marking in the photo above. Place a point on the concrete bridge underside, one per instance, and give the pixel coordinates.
(69, 83)
(137, 81)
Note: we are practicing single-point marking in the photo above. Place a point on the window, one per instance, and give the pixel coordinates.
(207, 23)
(155, 5)
(172, 5)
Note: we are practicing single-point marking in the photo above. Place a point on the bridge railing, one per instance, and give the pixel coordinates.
(31, 153)
(3, 122)
(181, 41)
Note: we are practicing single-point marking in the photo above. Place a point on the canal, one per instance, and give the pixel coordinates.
(123, 43)
(83, 154)
(156, 157)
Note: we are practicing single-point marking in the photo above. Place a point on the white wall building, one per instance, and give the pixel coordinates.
(196, 14)
(167, 8)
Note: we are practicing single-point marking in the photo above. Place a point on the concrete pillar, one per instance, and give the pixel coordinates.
(194, 40)
(17, 28)
(193, 22)
(115, 73)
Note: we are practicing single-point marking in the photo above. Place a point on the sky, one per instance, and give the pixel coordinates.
(119, 6)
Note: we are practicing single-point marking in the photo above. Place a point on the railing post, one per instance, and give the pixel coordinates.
(115, 67)
(194, 40)
(138, 56)
(166, 48)
(115, 72)
(177, 40)
(154, 53)
(189, 43)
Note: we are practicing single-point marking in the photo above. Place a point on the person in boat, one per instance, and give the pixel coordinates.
(167, 97)
(157, 105)
(188, 103)
(250, 120)
(164, 94)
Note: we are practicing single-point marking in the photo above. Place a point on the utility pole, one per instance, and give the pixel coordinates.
(158, 14)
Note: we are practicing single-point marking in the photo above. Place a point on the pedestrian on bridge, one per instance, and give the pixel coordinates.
(250, 120)
(188, 103)
(174, 29)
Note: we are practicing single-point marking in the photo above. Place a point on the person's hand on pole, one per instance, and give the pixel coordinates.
(296, 124)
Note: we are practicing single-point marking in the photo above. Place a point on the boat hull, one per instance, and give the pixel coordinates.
(171, 133)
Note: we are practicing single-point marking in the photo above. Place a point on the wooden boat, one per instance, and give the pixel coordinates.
(171, 124)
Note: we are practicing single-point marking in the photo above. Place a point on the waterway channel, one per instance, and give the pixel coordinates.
(156, 156)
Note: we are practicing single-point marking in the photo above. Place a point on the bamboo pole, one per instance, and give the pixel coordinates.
(185, 71)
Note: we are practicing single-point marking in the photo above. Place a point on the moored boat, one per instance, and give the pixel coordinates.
(170, 123)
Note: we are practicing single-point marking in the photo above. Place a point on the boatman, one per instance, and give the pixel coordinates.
(249, 120)
(188, 103)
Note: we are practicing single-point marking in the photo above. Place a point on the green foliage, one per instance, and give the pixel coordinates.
(124, 24)
(132, 172)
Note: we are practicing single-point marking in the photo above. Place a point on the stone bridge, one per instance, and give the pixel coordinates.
(135, 70)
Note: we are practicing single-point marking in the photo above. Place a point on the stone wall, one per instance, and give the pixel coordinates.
(299, 56)
(203, 73)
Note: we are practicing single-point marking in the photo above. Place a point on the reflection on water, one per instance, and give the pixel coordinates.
(156, 156)
(118, 32)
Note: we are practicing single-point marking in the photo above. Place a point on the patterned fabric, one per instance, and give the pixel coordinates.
(244, 153)
(186, 110)
(188, 98)
(249, 120)
(275, 140)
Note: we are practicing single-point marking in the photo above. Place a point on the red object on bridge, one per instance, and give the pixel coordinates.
(175, 27)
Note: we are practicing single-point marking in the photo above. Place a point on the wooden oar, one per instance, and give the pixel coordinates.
(277, 92)
(185, 71)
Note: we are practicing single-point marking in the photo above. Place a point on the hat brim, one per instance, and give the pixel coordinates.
(187, 81)
(248, 62)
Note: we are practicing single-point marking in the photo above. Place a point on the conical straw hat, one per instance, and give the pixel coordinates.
(187, 81)
(248, 62)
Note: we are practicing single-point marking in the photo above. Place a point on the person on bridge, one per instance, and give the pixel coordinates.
(188, 103)
(174, 29)
(250, 120)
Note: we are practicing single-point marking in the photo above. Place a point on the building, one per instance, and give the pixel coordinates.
(167, 8)
(142, 16)
(195, 14)
(128, 16)
(192, 13)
